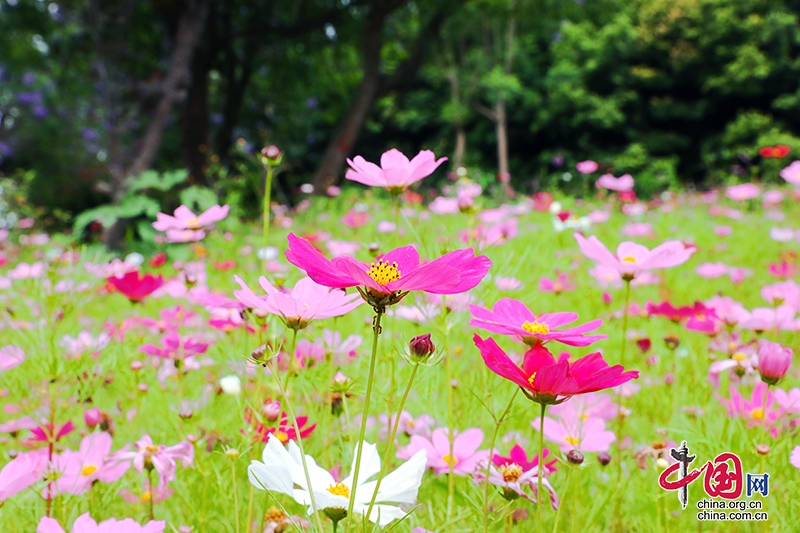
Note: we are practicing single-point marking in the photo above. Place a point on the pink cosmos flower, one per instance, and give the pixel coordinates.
(515, 472)
(727, 310)
(742, 192)
(388, 279)
(711, 270)
(741, 363)
(773, 362)
(10, 357)
(85, 524)
(767, 319)
(185, 219)
(586, 167)
(466, 456)
(783, 291)
(306, 301)
(792, 173)
(355, 219)
(48, 432)
(783, 270)
(752, 410)
(164, 459)
(175, 347)
(547, 381)
(638, 229)
(185, 235)
(422, 425)
(788, 401)
(781, 234)
(632, 258)
(396, 172)
(512, 317)
(738, 274)
(79, 470)
(574, 432)
(621, 184)
(557, 286)
(134, 286)
(595, 404)
(22, 472)
(507, 283)
(722, 231)
(27, 271)
(794, 458)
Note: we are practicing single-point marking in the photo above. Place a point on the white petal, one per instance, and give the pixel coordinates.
(275, 478)
(382, 514)
(370, 465)
(402, 485)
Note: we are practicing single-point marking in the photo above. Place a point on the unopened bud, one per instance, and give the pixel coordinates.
(272, 410)
(672, 341)
(272, 155)
(604, 458)
(232, 454)
(421, 347)
(92, 417)
(186, 413)
(136, 365)
(762, 449)
(662, 463)
(191, 437)
(575, 457)
(259, 353)
(374, 248)
(190, 280)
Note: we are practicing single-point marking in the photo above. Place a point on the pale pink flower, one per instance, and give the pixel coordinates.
(575, 431)
(794, 457)
(85, 524)
(557, 286)
(767, 319)
(27, 271)
(164, 459)
(586, 167)
(711, 270)
(422, 425)
(185, 235)
(792, 173)
(621, 184)
(788, 401)
(507, 283)
(466, 456)
(772, 198)
(738, 274)
(742, 192)
(79, 470)
(598, 217)
(781, 234)
(10, 357)
(752, 410)
(22, 472)
(781, 292)
(638, 229)
(307, 301)
(396, 172)
(722, 231)
(185, 219)
(632, 258)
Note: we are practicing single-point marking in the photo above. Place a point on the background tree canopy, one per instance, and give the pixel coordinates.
(95, 93)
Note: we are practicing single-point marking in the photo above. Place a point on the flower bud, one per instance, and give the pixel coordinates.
(92, 417)
(272, 410)
(374, 248)
(259, 353)
(231, 385)
(271, 155)
(575, 457)
(762, 449)
(672, 341)
(662, 463)
(232, 454)
(773, 362)
(421, 347)
(604, 458)
(136, 365)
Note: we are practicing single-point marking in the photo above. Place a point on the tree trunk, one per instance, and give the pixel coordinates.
(502, 138)
(461, 146)
(173, 88)
(194, 122)
(342, 143)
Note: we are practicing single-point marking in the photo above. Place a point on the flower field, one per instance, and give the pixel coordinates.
(475, 363)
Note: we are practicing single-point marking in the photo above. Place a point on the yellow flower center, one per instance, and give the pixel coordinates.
(739, 357)
(572, 440)
(283, 437)
(193, 223)
(274, 515)
(557, 287)
(145, 497)
(757, 413)
(339, 489)
(530, 379)
(537, 328)
(383, 272)
(452, 461)
(628, 259)
(511, 472)
(88, 470)
(152, 448)
(584, 416)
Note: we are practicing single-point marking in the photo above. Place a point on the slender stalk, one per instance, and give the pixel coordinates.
(150, 489)
(376, 331)
(448, 360)
(389, 447)
(563, 497)
(539, 495)
(282, 390)
(396, 213)
(620, 416)
(293, 346)
(250, 495)
(267, 193)
(235, 496)
(497, 423)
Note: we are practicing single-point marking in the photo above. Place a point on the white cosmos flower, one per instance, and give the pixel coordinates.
(282, 471)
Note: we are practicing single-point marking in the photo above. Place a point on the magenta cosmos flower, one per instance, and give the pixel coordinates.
(396, 172)
(547, 381)
(85, 524)
(393, 275)
(773, 362)
(586, 167)
(305, 302)
(512, 317)
(620, 184)
(515, 472)
(185, 219)
(742, 192)
(632, 258)
(164, 459)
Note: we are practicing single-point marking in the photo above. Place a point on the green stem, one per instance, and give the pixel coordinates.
(563, 498)
(299, 444)
(396, 212)
(152, 496)
(620, 413)
(235, 496)
(389, 448)
(451, 480)
(497, 424)
(539, 495)
(267, 193)
(376, 331)
(291, 370)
